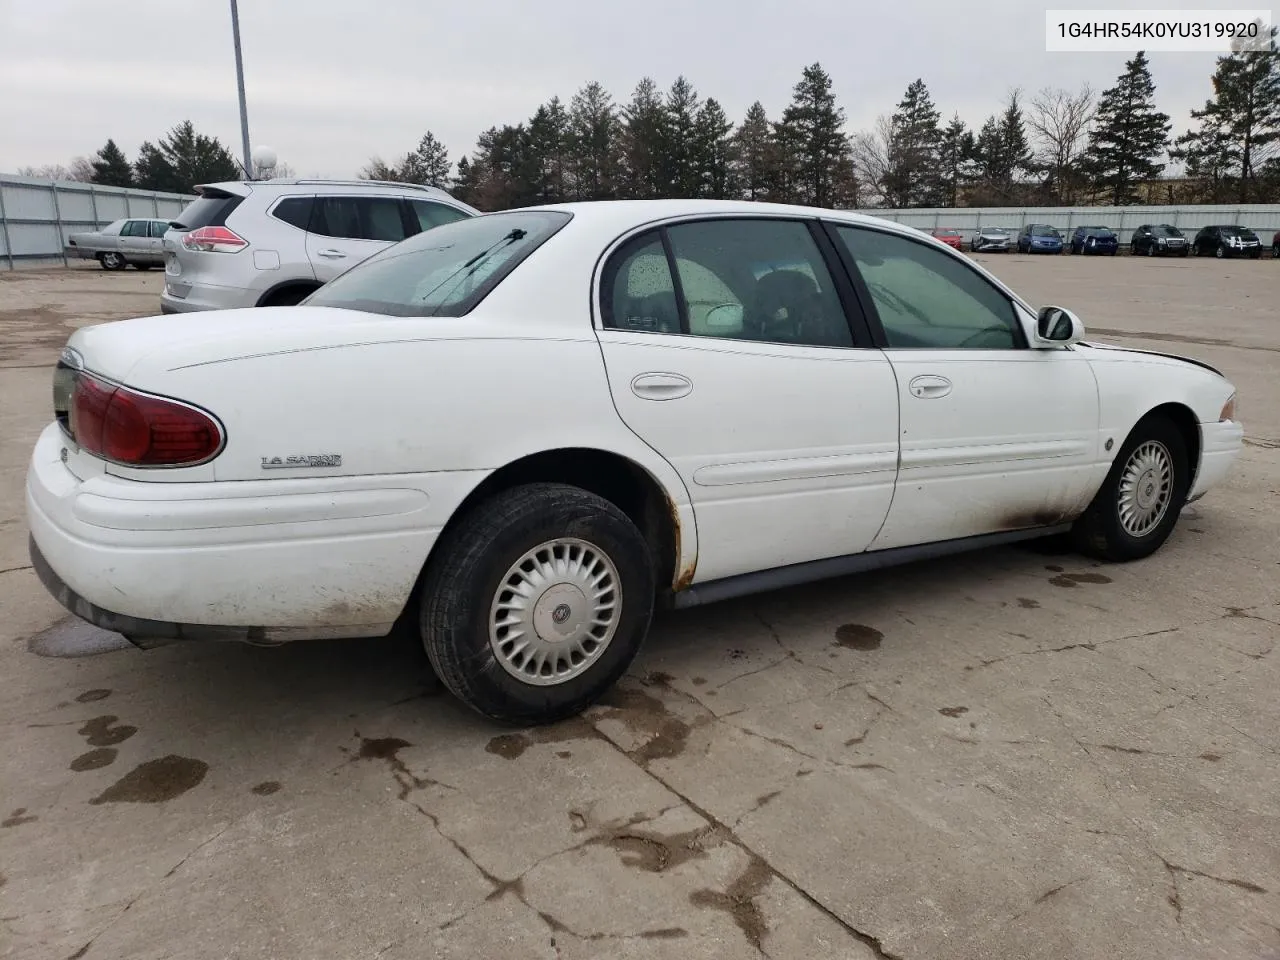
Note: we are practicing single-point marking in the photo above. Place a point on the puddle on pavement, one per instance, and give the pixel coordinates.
(953, 711)
(155, 781)
(511, 745)
(739, 900)
(266, 788)
(18, 818)
(89, 696)
(1075, 579)
(74, 637)
(94, 759)
(103, 731)
(1026, 603)
(857, 636)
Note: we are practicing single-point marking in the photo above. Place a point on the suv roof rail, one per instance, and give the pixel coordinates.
(337, 181)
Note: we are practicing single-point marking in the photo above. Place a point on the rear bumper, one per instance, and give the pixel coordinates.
(206, 297)
(259, 560)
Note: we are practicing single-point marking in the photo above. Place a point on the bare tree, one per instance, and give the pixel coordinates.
(1059, 122)
(871, 157)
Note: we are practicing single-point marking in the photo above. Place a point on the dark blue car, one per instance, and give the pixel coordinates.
(1039, 238)
(1098, 240)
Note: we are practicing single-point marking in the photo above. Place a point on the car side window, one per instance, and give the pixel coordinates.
(295, 211)
(358, 218)
(159, 228)
(758, 279)
(135, 228)
(638, 292)
(430, 214)
(927, 299)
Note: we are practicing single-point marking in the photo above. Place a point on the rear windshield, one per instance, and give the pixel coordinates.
(442, 272)
(211, 210)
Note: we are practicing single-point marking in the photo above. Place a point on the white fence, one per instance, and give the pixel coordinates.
(37, 216)
(1263, 218)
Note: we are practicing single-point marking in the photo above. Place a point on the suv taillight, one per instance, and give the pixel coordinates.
(138, 430)
(214, 240)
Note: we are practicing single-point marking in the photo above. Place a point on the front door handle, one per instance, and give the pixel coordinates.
(330, 254)
(661, 386)
(929, 387)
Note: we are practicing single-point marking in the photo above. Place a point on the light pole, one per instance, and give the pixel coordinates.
(244, 112)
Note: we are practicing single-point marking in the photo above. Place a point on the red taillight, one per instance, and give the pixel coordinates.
(133, 429)
(214, 240)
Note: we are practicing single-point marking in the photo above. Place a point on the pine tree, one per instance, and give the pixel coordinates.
(956, 149)
(812, 140)
(1239, 126)
(912, 180)
(1128, 136)
(379, 169)
(714, 150)
(111, 167)
(195, 158)
(428, 164)
(469, 181)
(152, 171)
(549, 152)
(753, 153)
(643, 138)
(678, 162)
(594, 144)
(1001, 153)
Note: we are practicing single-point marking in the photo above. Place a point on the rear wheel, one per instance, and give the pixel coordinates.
(112, 261)
(1138, 505)
(536, 603)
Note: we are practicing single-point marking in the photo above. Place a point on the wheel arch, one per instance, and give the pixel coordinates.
(1184, 418)
(617, 478)
(295, 284)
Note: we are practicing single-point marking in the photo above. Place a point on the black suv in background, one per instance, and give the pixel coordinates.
(1158, 240)
(1227, 241)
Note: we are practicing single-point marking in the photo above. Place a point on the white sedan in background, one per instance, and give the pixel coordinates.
(516, 433)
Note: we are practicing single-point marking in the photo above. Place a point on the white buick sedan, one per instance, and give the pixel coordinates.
(517, 433)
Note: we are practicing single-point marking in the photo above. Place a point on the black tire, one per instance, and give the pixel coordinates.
(1183, 252)
(1219, 252)
(112, 260)
(1100, 533)
(464, 577)
(1151, 250)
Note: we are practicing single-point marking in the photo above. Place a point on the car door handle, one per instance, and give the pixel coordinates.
(330, 254)
(661, 386)
(929, 387)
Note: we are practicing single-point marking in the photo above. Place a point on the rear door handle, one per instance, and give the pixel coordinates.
(661, 386)
(330, 254)
(929, 387)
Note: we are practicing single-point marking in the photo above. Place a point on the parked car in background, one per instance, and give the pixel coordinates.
(1039, 238)
(1094, 240)
(168, 497)
(991, 240)
(950, 236)
(1158, 240)
(130, 240)
(270, 243)
(1227, 241)
(1275, 245)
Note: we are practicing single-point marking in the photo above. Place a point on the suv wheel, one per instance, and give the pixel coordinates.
(289, 297)
(536, 602)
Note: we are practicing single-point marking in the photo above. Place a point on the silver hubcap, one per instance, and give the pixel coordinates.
(1146, 487)
(555, 612)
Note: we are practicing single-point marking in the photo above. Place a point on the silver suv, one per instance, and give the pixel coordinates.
(269, 243)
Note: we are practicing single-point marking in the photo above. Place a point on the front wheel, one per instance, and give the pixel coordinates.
(1138, 504)
(536, 602)
(1219, 252)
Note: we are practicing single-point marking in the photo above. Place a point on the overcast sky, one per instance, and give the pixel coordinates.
(332, 82)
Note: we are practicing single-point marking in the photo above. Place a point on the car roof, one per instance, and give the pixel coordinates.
(622, 215)
(324, 185)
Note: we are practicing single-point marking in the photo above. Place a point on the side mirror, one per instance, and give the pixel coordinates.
(1057, 326)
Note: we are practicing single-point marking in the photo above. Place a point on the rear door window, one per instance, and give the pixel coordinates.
(160, 227)
(358, 218)
(136, 228)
